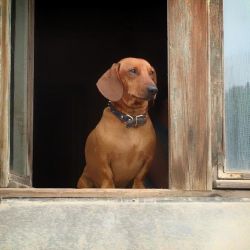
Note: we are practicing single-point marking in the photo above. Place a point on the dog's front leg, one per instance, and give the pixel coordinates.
(107, 183)
(139, 178)
(106, 177)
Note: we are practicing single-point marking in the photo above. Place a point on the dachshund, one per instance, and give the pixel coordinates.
(120, 150)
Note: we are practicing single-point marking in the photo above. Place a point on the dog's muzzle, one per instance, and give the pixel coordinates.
(152, 91)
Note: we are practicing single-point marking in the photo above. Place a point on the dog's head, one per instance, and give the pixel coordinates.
(130, 78)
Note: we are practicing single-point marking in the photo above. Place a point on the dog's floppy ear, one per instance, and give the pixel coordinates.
(154, 76)
(110, 84)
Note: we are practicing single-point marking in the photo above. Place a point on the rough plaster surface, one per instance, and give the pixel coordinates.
(208, 223)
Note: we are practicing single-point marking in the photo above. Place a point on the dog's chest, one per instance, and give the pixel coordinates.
(130, 152)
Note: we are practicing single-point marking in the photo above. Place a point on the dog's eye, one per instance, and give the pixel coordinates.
(151, 72)
(133, 71)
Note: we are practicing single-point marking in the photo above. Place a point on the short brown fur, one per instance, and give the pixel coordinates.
(117, 156)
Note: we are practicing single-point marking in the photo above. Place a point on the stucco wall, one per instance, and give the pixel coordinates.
(165, 223)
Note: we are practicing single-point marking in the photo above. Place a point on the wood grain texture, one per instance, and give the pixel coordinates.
(216, 83)
(232, 184)
(116, 193)
(4, 92)
(30, 87)
(188, 94)
(16, 181)
(19, 87)
(21, 124)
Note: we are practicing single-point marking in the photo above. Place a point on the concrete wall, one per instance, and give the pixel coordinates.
(164, 223)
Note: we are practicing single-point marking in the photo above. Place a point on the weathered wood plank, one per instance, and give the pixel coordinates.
(116, 193)
(232, 184)
(19, 87)
(23, 89)
(21, 113)
(188, 94)
(4, 91)
(216, 83)
(30, 87)
(18, 181)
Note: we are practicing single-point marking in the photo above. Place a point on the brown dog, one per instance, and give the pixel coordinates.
(119, 151)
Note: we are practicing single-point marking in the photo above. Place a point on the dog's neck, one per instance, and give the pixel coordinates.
(131, 121)
(133, 107)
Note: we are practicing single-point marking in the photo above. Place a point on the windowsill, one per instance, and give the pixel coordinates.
(116, 193)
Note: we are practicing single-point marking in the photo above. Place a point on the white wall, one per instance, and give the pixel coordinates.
(165, 223)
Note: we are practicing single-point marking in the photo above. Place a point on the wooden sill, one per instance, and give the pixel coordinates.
(115, 193)
(232, 184)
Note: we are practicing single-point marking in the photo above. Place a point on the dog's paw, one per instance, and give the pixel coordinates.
(138, 184)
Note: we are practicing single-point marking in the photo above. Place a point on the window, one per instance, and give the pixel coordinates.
(237, 85)
(187, 51)
(234, 158)
(74, 46)
(89, 40)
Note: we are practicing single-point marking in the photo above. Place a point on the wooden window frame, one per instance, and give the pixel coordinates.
(7, 176)
(23, 125)
(121, 193)
(196, 122)
(4, 92)
(22, 108)
(189, 95)
(222, 178)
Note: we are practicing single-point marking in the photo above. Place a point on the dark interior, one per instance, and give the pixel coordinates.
(74, 45)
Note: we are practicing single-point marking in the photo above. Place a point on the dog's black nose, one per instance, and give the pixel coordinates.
(152, 90)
